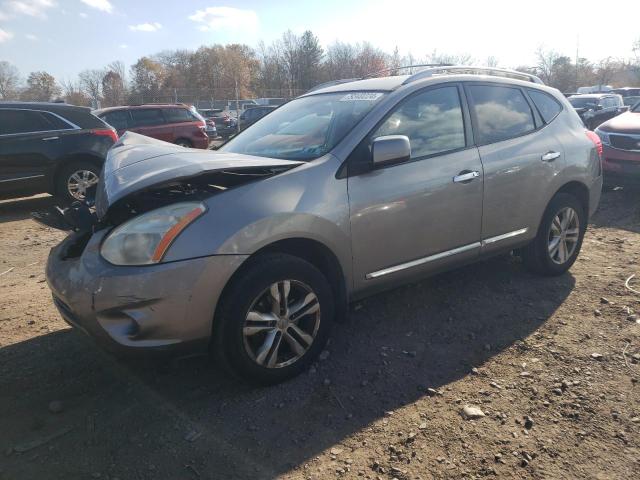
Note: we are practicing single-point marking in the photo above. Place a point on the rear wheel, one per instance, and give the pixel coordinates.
(559, 239)
(274, 320)
(76, 180)
(183, 142)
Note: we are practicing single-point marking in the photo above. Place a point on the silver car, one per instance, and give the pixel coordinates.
(252, 251)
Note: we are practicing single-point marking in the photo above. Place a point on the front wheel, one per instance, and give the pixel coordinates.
(559, 238)
(274, 320)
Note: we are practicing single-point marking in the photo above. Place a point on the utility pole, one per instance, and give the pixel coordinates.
(577, 59)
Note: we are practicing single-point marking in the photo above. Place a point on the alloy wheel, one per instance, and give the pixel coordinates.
(281, 324)
(79, 181)
(563, 235)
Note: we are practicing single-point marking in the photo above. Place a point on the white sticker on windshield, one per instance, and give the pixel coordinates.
(361, 96)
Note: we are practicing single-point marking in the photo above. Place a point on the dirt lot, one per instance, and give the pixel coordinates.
(554, 364)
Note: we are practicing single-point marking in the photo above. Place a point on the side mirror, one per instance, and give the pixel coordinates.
(598, 107)
(390, 149)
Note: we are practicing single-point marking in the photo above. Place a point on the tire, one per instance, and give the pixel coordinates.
(541, 255)
(240, 342)
(81, 174)
(183, 142)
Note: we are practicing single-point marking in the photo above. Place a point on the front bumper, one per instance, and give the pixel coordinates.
(164, 307)
(621, 164)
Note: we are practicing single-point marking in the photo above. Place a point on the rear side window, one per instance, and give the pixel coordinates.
(27, 121)
(118, 119)
(432, 120)
(143, 117)
(501, 113)
(548, 106)
(178, 115)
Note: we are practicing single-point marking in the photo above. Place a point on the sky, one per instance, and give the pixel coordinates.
(64, 37)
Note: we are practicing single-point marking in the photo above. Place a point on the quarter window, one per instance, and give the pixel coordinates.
(118, 119)
(501, 113)
(432, 120)
(548, 106)
(143, 117)
(178, 115)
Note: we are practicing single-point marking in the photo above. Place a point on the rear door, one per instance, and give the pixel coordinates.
(30, 141)
(521, 158)
(151, 122)
(417, 216)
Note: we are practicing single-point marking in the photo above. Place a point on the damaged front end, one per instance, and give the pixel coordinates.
(141, 174)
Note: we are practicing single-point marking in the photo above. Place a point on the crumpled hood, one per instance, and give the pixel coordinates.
(137, 162)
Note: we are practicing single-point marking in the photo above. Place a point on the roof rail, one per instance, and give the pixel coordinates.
(332, 83)
(461, 69)
(393, 69)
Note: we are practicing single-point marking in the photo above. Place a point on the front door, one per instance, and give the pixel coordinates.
(417, 216)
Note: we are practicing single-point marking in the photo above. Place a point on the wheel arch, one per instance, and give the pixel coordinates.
(578, 190)
(314, 252)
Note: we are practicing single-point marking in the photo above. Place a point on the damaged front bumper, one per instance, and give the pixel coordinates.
(164, 307)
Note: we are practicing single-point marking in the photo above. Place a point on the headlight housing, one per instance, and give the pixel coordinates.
(604, 136)
(145, 239)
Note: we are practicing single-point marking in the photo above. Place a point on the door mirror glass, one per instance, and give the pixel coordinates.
(390, 149)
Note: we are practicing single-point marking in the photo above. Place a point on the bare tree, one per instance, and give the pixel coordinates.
(91, 84)
(73, 94)
(9, 81)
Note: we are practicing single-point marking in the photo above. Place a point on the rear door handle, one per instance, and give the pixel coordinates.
(48, 139)
(550, 156)
(465, 176)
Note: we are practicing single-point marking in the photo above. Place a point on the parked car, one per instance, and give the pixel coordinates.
(621, 141)
(253, 250)
(173, 123)
(596, 108)
(51, 148)
(253, 114)
(225, 124)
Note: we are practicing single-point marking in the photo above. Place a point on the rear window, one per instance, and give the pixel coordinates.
(146, 117)
(27, 121)
(178, 115)
(501, 112)
(548, 106)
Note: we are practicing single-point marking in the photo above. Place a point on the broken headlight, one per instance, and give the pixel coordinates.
(145, 239)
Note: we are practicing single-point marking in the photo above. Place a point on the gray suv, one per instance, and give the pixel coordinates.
(252, 251)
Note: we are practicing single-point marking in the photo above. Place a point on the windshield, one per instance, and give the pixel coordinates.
(305, 128)
(583, 102)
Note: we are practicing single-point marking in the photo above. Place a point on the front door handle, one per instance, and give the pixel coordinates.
(550, 156)
(48, 139)
(466, 176)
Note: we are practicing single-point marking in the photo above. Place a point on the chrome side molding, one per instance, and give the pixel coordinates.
(448, 253)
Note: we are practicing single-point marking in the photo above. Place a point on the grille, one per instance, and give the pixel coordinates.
(625, 142)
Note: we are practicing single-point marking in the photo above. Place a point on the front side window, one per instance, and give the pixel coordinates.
(305, 128)
(143, 117)
(548, 106)
(501, 113)
(432, 120)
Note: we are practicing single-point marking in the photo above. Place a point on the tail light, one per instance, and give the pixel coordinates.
(106, 132)
(593, 136)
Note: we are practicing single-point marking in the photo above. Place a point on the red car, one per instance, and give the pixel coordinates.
(621, 147)
(177, 123)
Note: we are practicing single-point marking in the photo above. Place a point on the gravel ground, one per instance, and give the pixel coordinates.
(547, 367)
